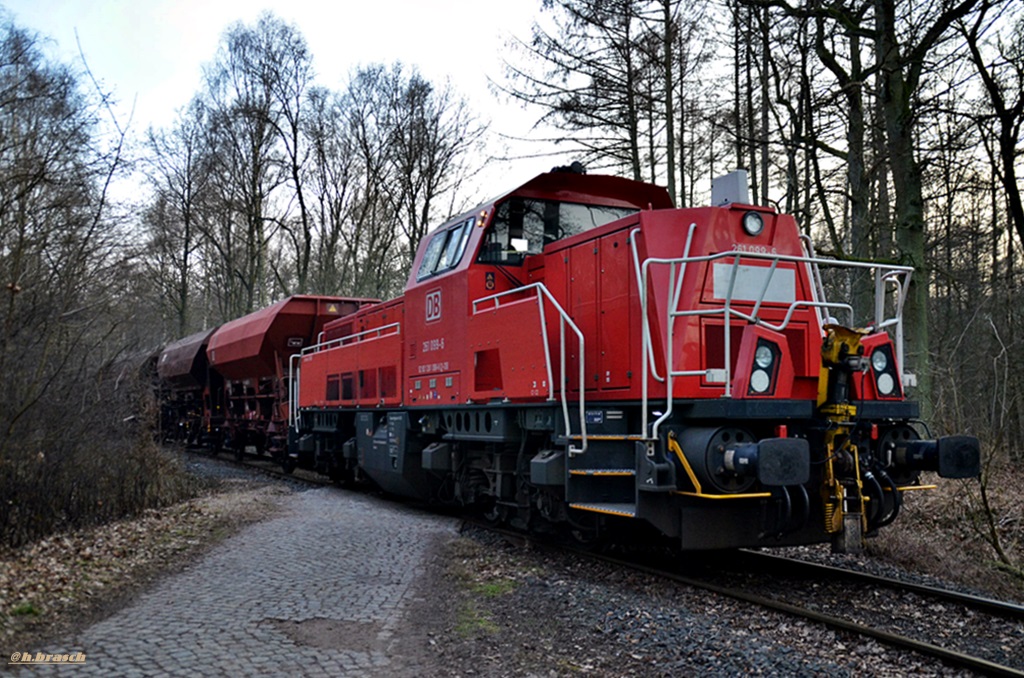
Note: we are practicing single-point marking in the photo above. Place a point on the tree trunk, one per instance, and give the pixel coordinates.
(896, 97)
(670, 131)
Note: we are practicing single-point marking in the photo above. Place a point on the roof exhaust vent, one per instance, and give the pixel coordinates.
(734, 187)
(575, 168)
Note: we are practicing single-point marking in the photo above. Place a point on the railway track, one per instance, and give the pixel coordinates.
(1010, 611)
(269, 467)
(963, 631)
(261, 464)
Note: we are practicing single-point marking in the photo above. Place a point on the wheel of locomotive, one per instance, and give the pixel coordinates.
(492, 512)
(288, 464)
(583, 529)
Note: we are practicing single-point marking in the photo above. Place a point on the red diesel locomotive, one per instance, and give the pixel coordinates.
(577, 352)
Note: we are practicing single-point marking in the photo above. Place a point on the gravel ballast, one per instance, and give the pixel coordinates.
(515, 611)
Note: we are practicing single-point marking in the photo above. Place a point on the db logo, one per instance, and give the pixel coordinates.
(433, 305)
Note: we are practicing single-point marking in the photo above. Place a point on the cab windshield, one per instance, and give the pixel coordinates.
(523, 226)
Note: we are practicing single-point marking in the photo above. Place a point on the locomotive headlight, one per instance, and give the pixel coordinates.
(763, 367)
(884, 370)
(879, 361)
(759, 381)
(753, 224)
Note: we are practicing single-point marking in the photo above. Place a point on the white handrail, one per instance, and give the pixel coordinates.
(316, 348)
(814, 275)
(542, 293)
(899, 276)
(647, 349)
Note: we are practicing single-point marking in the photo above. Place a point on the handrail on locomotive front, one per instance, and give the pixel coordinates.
(884, 274)
(564, 319)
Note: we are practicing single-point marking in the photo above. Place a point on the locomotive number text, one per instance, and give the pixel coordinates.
(433, 345)
(756, 249)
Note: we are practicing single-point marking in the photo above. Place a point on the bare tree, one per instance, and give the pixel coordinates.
(433, 134)
(178, 171)
(904, 41)
(65, 304)
(286, 51)
(242, 86)
(1002, 75)
(333, 174)
(588, 80)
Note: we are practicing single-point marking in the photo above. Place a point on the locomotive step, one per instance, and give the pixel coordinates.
(602, 472)
(624, 510)
(606, 437)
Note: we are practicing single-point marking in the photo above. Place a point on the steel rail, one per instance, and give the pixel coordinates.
(268, 467)
(952, 657)
(981, 603)
(259, 463)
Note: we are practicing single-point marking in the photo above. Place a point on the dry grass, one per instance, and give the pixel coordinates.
(946, 533)
(66, 580)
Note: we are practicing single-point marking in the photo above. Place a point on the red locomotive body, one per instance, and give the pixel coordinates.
(577, 351)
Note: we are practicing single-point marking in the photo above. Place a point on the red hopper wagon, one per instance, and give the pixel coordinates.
(183, 367)
(248, 358)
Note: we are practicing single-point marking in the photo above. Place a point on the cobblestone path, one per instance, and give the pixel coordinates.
(317, 590)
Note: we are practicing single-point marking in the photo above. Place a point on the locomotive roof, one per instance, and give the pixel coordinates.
(594, 189)
(600, 189)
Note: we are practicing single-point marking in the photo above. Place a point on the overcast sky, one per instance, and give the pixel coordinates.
(150, 52)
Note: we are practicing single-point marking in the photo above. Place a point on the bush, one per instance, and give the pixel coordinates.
(79, 461)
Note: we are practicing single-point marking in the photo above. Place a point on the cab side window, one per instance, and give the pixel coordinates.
(523, 226)
(444, 250)
(517, 230)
